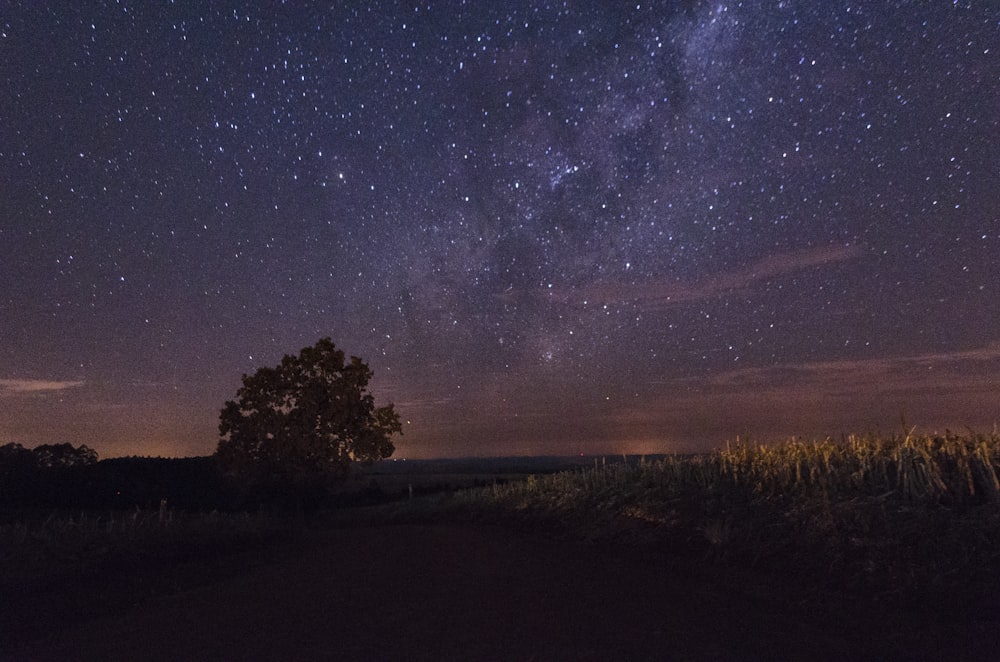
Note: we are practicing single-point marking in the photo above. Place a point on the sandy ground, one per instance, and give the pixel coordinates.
(457, 592)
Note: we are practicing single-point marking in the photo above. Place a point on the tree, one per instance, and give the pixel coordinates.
(18, 473)
(304, 422)
(55, 456)
(47, 475)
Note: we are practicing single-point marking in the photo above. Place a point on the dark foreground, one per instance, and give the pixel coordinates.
(457, 592)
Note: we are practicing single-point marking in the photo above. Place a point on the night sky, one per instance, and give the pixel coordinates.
(548, 227)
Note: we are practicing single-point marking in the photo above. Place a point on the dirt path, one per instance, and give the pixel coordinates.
(468, 593)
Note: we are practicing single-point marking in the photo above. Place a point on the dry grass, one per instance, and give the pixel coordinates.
(899, 516)
(902, 515)
(74, 541)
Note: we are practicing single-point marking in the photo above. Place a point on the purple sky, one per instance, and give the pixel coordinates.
(548, 229)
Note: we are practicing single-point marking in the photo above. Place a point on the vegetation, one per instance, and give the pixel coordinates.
(40, 475)
(70, 567)
(32, 484)
(75, 541)
(302, 424)
(904, 515)
(901, 517)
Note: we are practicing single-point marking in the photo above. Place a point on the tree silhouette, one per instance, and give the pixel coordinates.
(304, 422)
(54, 456)
(18, 474)
(50, 475)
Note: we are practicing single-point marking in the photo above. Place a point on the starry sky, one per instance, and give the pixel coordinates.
(549, 227)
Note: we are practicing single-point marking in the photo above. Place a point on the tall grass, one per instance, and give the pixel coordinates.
(66, 540)
(899, 514)
(950, 470)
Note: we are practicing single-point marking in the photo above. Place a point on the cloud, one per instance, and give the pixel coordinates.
(8, 386)
(947, 373)
(934, 391)
(425, 403)
(662, 293)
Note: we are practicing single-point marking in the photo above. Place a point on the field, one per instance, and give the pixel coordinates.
(911, 517)
(884, 548)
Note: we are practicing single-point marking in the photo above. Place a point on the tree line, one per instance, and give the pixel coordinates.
(291, 436)
(61, 476)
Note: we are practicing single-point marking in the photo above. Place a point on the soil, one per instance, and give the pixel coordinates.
(458, 592)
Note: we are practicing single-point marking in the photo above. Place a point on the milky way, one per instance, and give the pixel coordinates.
(548, 227)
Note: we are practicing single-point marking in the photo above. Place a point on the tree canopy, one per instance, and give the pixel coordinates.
(47, 475)
(304, 421)
(47, 456)
(64, 455)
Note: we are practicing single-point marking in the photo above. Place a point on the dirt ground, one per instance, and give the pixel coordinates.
(458, 592)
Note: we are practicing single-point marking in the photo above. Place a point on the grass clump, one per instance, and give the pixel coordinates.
(905, 515)
(66, 541)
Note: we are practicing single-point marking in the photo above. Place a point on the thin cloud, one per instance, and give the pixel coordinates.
(428, 403)
(936, 391)
(662, 293)
(961, 368)
(8, 386)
